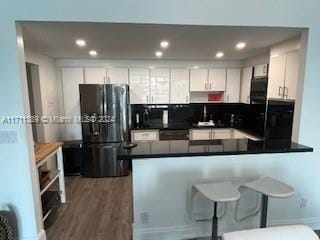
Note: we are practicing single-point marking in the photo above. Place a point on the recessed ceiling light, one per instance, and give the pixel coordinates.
(164, 44)
(196, 67)
(219, 54)
(81, 42)
(241, 45)
(93, 53)
(151, 67)
(158, 53)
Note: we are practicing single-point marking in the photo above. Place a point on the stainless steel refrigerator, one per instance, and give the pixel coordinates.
(106, 122)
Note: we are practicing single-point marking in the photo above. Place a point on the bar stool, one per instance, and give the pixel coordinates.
(217, 192)
(269, 187)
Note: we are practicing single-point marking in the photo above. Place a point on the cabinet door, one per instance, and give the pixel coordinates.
(200, 134)
(159, 85)
(145, 135)
(261, 70)
(95, 75)
(139, 81)
(232, 93)
(217, 79)
(292, 74)
(277, 72)
(198, 80)
(71, 78)
(246, 85)
(221, 133)
(118, 75)
(179, 86)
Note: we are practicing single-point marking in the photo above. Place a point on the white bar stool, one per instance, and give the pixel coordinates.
(217, 192)
(269, 187)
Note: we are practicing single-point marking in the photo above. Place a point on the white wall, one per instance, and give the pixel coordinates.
(17, 166)
(49, 91)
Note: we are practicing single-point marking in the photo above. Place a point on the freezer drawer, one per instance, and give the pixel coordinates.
(100, 160)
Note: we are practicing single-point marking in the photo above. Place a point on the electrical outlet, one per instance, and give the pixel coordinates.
(303, 202)
(144, 216)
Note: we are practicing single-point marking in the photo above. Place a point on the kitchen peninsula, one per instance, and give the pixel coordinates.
(163, 172)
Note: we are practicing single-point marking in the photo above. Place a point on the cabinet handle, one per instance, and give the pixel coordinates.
(285, 94)
(151, 99)
(227, 98)
(147, 99)
(104, 79)
(279, 92)
(210, 86)
(248, 99)
(205, 86)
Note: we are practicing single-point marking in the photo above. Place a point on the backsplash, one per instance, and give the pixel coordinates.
(183, 116)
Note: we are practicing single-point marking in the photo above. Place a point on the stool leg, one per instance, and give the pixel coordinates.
(264, 211)
(215, 222)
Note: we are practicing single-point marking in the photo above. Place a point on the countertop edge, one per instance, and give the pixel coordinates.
(201, 154)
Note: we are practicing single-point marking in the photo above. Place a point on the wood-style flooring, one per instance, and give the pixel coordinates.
(96, 209)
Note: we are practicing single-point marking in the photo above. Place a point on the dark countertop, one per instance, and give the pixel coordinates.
(185, 148)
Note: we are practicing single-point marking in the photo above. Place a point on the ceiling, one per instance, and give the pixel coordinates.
(140, 41)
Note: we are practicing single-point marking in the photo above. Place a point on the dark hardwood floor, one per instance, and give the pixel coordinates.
(96, 209)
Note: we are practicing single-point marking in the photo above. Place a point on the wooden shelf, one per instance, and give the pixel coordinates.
(49, 184)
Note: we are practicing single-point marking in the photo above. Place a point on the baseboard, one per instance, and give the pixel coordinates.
(203, 230)
(42, 235)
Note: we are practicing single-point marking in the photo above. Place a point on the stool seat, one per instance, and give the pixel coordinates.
(271, 187)
(218, 191)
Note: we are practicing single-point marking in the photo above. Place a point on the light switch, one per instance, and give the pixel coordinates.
(8, 137)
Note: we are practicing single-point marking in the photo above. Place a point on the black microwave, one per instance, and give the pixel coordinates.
(258, 93)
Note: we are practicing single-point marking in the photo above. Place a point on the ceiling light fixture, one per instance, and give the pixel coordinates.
(158, 54)
(241, 45)
(219, 54)
(81, 43)
(195, 67)
(164, 44)
(93, 53)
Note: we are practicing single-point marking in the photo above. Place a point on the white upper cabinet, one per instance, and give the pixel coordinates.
(277, 72)
(139, 81)
(246, 85)
(232, 93)
(179, 86)
(292, 75)
(95, 75)
(217, 79)
(198, 80)
(118, 75)
(71, 78)
(261, 70)
(159, 85)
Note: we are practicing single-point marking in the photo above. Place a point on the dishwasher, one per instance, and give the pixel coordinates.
(174, 134)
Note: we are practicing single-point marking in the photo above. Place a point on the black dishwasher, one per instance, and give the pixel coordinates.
(174, 134)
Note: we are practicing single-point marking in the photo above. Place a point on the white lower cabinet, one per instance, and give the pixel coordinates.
(144, 135)
(200, 134)
(221, 133)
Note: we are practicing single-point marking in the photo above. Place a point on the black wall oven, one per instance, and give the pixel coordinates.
(259, 87)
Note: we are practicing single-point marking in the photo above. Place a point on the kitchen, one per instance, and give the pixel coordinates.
(209, 102)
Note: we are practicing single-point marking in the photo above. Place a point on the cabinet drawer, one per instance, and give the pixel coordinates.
(221, 133)
(200, 134)
(145, 135)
